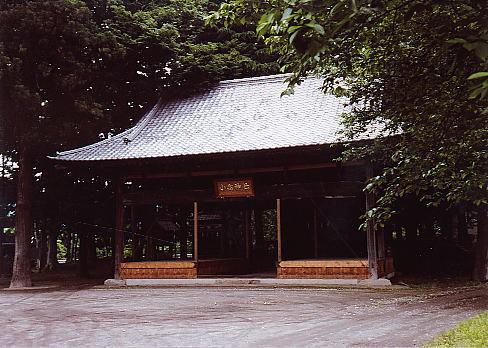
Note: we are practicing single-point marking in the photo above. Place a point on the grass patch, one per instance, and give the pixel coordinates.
(470, 333)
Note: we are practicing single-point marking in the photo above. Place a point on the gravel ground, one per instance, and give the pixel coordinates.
(232, 317)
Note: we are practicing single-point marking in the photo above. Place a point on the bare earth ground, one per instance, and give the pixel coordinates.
(81, 315)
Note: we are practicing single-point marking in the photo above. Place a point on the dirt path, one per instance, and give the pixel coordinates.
(233, 317)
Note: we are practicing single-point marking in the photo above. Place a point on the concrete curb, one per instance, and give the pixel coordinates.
(30, 288)
(245, 281)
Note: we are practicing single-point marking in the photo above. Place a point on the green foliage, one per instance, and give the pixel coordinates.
(61, 255)
(410, 68)
(470, 333)
(9, 230)
(70, 69)
(46, 62)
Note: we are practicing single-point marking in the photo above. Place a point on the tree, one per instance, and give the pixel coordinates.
(44, 63)
(408, 68)
(70, 70)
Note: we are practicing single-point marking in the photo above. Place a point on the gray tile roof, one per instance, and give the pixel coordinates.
(236, 115)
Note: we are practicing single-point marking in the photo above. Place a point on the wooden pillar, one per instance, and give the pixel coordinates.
(259, 251)
(370, 232)
(225, 233)
(83, 251)
(118, 232)
(151, 245)
(184, 234)
(278, 228)
(195, 231)
(315, 233)
(247, 232)
(134, 236)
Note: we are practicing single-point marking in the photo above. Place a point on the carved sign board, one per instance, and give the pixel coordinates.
(234, 188)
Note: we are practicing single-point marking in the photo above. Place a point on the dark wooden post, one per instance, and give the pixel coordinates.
(83, 251)
(119, 226)
(195, 231)
(278, 228)
(151, 245)
(184, 233)
(247, 233)
(370, 231)
(315, 233)
(259, 252)
(134, 237)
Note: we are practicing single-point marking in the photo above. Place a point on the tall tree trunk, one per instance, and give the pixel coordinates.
(21, 276)
(480, 270)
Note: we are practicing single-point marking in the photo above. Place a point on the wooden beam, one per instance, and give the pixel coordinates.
(306, 190)
(156, 175)
(160, 264)
(325, 263)
(118, 232)
(195, 231)
(244, 170)
(174, 196)
(213, 172)
(327, 165)
(261, 170)
(309, 190)
(371, 232)
(278, 229)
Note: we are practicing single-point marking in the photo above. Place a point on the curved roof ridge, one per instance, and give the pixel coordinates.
(254, 80)
(88, 147)
(128, 134)
(139, 126)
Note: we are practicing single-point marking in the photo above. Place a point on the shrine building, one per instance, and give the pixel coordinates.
(238, 180)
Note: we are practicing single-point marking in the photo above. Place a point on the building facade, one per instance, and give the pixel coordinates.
(239, 180)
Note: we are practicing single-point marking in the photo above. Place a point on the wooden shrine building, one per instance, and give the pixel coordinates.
(238, 180)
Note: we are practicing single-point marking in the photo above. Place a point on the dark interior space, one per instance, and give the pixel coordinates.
(323, 228)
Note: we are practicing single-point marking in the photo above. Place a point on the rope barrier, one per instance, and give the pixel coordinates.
(124, 231)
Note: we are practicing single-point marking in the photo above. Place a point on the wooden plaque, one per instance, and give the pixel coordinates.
(234, 188)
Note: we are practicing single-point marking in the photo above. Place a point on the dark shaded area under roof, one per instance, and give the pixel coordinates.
(235, 116)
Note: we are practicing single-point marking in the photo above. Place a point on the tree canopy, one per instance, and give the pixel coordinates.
(408, 67)
(71, 69)
(417, 71)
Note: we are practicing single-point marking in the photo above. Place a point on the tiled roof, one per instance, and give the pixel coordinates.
(236, 115)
